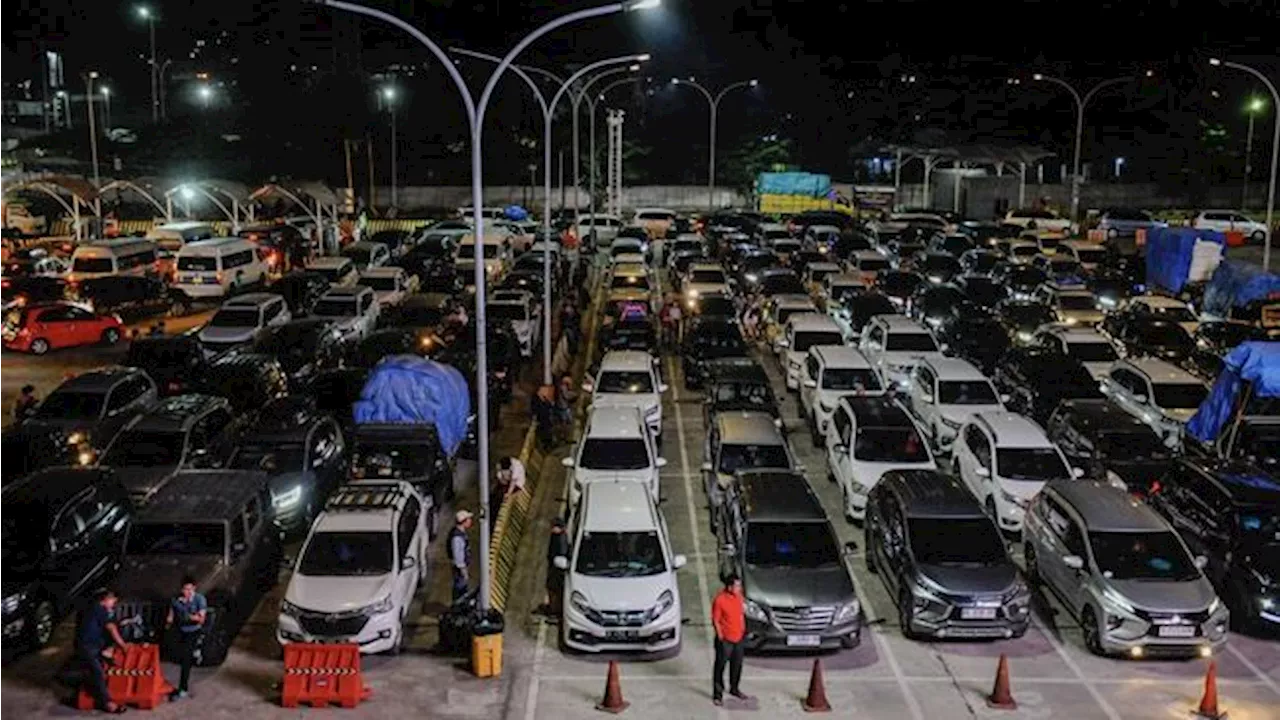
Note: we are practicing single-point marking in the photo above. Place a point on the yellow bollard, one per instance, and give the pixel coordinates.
(486, 655)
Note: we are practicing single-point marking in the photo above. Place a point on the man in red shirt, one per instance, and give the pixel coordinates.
(730, 622)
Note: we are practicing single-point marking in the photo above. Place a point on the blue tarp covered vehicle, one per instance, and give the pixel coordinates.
(1246, 391)
(411, 390)
(793, 183)
(1169, 252)
(1235, 284)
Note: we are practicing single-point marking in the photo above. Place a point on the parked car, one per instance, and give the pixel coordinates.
(391, 285)
(88, 410)
(630, 378)
(524, 314)
(616, 444)
(1022, 318)
(1231, 221)
(1123, 222)
(174, 362)
(1086, 345)
(855, 310)
(301, 291)
(353, 310)
(1074, 306)
(249, 381)
(1031, 219)
(944, 393)
(973, 334)
(1109, 443)
(240, 319)
(741, 441)
(801, 332)
(981, 290)
(1142, 336)
(304, 348)
(37, 329)
(831, 372)
(1159, 307)
(339, 271)
(738, 385)
(867, 437)
(1162, 395)
(934, 303)
(366, 254)
(1036, 379)
(895, 345)
(130, 296)
(1019, 281)
(898, 286)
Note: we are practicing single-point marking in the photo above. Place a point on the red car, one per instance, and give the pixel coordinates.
(39, 328)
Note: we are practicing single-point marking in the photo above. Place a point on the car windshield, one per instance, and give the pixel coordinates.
(956, 541)
(1090, 255)
(718, 306)
(151, 448)
(899, 284)
(749, 392)
(71, 405)
(707, 276)
(335, 307)
(380, 283)
(1077, 302)
(92, 265)
(750, 457)
(1165, 335)
(613, 454)
(782, 284)
(507, 311)
(620, 554)
(872, 264)
(1029, 315)
(1141, 556)
(235, 318)
(269, 457)
(966, 392)
(626, 382)
(197, 263)
(889, 444)
(1034, 464)
(636, 282)
(176, 539)
(1138, 443)
(805, 340)
(852, 379)
(1025, 276)
(1179, 396)
(1092, 351)
(347, 554)
(910, 342)
(796, 545)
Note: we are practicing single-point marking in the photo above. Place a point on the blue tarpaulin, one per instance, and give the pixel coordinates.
(413, 390)
(1236, 284)
(515, 213)
(1253, 362)
(793, 183)
(1169, 254)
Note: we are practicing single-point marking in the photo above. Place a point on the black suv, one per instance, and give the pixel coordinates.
(412, 453)
(1109, 443)
(1229, 513)
(301, 291)
(305, 348)
(302, 451)
(738, 385)
(247, 380)
(931, 304)
(63, 534)
(1145, 336)
(175, 362)
(975, 335)
(186, 430)
(131, 296)
(1036, 380)
(89, 409)
(707, 340)
(216, 526)
(926, 530)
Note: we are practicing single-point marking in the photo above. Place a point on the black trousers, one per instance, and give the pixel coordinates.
(460, 586)
(731, 653)
(95, 676)
(185, 645)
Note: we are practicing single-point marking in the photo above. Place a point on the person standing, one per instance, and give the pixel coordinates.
(26, 404)
(97, 635)
(557, 546)
(459, 552)
(188, 611)
(730, 622)
(510, 481)
(544, 416)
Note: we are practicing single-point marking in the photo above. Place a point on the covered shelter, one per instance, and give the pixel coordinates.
(70, 192)
(962, 156)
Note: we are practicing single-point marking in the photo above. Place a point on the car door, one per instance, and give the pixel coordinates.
(72, 555)
(924, 397)
(412, 553)
(843, 451)
(895, 545)
(812, 373)
(871, 344)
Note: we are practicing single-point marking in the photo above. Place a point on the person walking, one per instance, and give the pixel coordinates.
(459, 550)
(188, 611)
(729, 619)
(97, 636)
(544, 415)
(25, 406)
(557, 546)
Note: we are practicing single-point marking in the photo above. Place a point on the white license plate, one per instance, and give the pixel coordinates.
(197, 280)
(1176, 631)
(804, 640)
(977, 613)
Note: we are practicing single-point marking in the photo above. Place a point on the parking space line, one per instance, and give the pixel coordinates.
(851, 676)
(690, 506)
(1075, 669)
(1266, 679)
(531, 695)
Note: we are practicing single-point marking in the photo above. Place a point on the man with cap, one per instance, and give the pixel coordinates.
(458, 552)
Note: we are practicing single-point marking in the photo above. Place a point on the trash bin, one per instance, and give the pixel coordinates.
(486, 645)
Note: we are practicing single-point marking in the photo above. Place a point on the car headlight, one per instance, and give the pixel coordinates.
(382, 606)
(288, 608)
(76, 438)
(288, 498)
(1106, 302)
(693, 292)
(86, 457)
(754, 610)
(11, 602)
(1214, 606)
(847, 611)
(1024, 336)
(1117, 601)
(1071, 320)
(665, 601)
(579, 603)
(752, 277)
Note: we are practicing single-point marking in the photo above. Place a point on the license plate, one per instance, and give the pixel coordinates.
(1177, 631)
(804, 640)
(621, 634)
(197, 280)
(977, 613)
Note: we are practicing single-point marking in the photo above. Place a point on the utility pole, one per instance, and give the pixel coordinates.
(93, 128)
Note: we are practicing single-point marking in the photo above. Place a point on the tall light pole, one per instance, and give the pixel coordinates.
(475, 117)
(714, 102)
(1275, 152)
(145, 13)
(164, 93)
(1253, 107)
(389, 97)
(591, 118)
(66, 105)
(1081, 102)
(106, 102)
(93, 126)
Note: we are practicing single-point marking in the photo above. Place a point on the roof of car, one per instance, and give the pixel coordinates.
(1160, 371)
(1105, 508)
(328, 262)
(812, 322)
(736, 370)
(748, 428)
(202, 495)
(1158, 301)
(1100, 414)
(953, 368)
(347, 291)
(928, 493)
(868, 255)
(619, 506)
(774, 497)
(615, 421)
(100, 379)
(894, 322)
(175, 413)
(840, 356)
(256, 299)
(385, 271)
(364, 505)
(51, 487)
(877, 411)
(1011, 430)
(632, 360)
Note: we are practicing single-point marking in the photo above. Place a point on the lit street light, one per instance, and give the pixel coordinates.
(714, 102)
(145, 13)
(1275, 152)
(1253, 107)
(106, 101)
(389, 97)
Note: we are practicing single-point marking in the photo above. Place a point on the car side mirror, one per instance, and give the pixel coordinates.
(706, 467)
(408, 563)
(1201, 562)
(1075, 562)
(588, 387)
(561, 562)
(660, 462)
(663, 387)
(1140, 398)
(1077, 472)
(811, 384)
(981, 471)
(851, 546)
(679, 561)
(1005, 397)
(568, 462)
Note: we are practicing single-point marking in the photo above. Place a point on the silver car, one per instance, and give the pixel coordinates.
(1121, 570)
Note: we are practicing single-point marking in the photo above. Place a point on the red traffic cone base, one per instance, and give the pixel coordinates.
(1209, 702)
(816, 700)
(1001, 697)
(612, 701)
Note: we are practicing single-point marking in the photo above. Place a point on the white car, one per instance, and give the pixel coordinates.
(366, 254)
(522, 311)
(239, 319)
(390, 285)
(1004, 459)
(620, 591)
(361, 566)
(630, 276)
(803, 331)
(830, 373)
(1087, 345)
(868, 264)
(628, 246)
(944, 392)
(616, 444)
(353, 309)
(1029, 219)
(1162, 395)
(704, 278)
(630, 377)
(895, 344)
(867, 437)
(604, 227)
(1166, 308)
(1089, 255)
(1072, 305)
(777, 310)
(1231, 221)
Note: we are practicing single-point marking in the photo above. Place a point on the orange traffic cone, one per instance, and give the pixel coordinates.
(1000, 696)
(816, 700)
(1209, 703)
(612, 702)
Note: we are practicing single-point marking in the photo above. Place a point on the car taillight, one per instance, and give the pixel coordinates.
(117, 318)
(174, 386)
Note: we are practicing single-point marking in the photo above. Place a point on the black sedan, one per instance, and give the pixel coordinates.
(1021, 318)
(1019, 281)
(706, 340)
(1141, 336)
(301, 291)
(931, 304)
(303, 347)
(1037, 379)
(980, 261)
(974, 335)
(898, 286)
(982, 290)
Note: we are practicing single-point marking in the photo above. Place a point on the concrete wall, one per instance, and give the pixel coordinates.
(674, 197)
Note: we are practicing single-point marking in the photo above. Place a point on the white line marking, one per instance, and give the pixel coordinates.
(1062, 653)
(848, 676)
(531, 696)
(1266, 679)
(690, 506)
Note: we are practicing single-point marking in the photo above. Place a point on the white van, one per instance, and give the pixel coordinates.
(103, 258)
(219, 267)
(171, 237)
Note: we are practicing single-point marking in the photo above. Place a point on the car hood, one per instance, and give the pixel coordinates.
(142, 481)
(335, 594)
(787, 587)
(584, 476)
(960, 413)
(150, 578)
(622, 594)
(1163, 596)
(961, 580)
(644, 401)
(227, 334)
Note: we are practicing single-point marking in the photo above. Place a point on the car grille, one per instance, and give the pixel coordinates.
(631, 618)
(804, 619)
(332, 624)
(1164, 618)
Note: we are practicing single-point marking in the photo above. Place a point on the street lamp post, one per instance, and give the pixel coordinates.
(1254, 106)
(66, 106)
(389, 95)
(146, 14)
(106, 106)
(714, 102)
(475, 117)
(1275, 151)
(93, 128)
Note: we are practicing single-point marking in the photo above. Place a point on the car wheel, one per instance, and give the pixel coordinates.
(1258, 236)
(39, 346)
(43, 619)
(866, 548)
(1033, 569)
(814, 435)
(904, 614)
(398, 647)
(1092, 635)
(110, 336)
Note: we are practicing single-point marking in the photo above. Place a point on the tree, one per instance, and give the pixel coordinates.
(757, 155)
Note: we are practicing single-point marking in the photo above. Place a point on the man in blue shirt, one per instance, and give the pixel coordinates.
(188, 611)
(96, 628)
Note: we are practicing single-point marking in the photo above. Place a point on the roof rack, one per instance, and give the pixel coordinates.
(366, 496)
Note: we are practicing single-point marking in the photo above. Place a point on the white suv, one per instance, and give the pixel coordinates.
(630, 377)
(616, 445)
(353, 309)
(704, 278)
(1004, 459)
(867, 437)
(895, 344)
(831, 372)
(359, 569)
(620, 589)
(803, 331)
(239, 319)
(1162, 395)
(944, 392)
(1165, 308)
(1087, 345)
(1231, 221)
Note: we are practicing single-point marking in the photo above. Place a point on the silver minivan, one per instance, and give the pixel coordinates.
(1121, 570)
